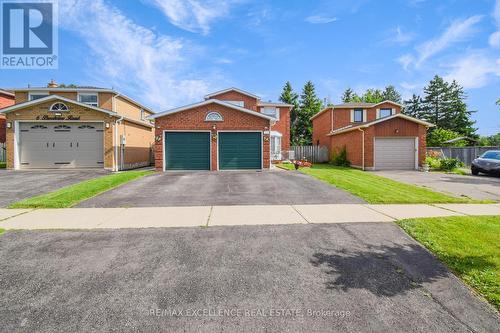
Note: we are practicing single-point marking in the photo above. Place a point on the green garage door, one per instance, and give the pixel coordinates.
(187, 151)
(240, 150)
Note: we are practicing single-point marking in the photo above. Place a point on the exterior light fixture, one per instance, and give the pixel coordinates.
(9, 125)
(107, 125)
(396, 130)
(214, 127)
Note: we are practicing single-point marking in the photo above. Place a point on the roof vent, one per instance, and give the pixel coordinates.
(52, 84)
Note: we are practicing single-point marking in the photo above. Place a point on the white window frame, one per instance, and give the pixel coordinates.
(41, 93)
(89, 94)
(238, 103)
(52, 106)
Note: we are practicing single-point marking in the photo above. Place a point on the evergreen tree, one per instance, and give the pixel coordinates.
(290, 97)
(310, 104)
(350, 96)
(372, 96)
(391, 94)
(458, 116)
(413, 107)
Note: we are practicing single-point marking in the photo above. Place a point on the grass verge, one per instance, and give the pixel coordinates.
(71, 195)
(376, 189)
(468, 245)
(3, 165)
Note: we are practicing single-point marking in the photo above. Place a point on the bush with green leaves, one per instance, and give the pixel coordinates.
(339, 158)
(449, 164)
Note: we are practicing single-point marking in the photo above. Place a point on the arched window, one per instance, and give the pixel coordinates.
(58, 107)
(213, 116)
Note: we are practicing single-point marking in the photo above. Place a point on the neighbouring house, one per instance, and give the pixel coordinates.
(230, 130)
(6, 99)
(376, 136)
(84, 127)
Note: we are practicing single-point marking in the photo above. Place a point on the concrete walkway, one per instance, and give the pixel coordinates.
(164, 217)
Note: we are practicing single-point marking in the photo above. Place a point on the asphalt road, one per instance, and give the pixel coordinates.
(222, 188)
(18, 185)
(302, 278)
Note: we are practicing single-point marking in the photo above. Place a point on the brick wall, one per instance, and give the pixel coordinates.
(391, 128)
(283, 126)
(194, 119)
(5, 101)
(321, 127)
(250, 102)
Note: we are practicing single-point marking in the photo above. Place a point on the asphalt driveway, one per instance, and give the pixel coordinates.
(476, 187)
(18, 185)
(316, 278)
(222, 188)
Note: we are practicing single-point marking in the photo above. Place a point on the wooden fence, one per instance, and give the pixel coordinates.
(464, 154)
(314, 154)
(3, 155)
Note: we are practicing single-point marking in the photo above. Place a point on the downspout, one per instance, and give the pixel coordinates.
(117, 167)
(362, 149)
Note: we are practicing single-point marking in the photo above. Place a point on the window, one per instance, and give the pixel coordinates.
(37, 95)
(89, 99)
(271, 111)
(213, 116)
(385, 113)
(358, 115)
(58, 107)
(143, 114)
(239, 103)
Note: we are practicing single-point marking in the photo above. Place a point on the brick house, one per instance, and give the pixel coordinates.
(6, 99)
(85, 127)
(229, 130)
(376, 136)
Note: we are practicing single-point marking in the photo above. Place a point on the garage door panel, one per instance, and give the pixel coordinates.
(240, 150)
(395, 153)
(187, 150)
(56, 145)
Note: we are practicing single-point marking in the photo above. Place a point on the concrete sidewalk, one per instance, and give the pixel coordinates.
(165, 217)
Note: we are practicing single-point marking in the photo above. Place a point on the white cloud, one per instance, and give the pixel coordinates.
(224, 61)
(401, 37)
(474, 70)
(495, 37)
(458, 31)
(405, 60)
(320, 19)
(194, 15)
(150, 67)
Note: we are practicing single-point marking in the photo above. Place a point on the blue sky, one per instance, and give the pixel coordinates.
(166, 53)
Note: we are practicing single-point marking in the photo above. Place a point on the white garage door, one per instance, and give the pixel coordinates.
(61, 145)
(395, 153)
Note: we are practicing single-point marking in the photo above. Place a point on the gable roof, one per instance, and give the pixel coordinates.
(231, 89)
(354, 105)
(210, 101)
(374, 122)
(83, 89)
(67, 100)
(5, 92)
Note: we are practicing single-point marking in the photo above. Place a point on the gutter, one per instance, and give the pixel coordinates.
(362, 149)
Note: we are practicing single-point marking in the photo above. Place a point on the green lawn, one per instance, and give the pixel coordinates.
(468, 245)
(375, 189)
(2, 231)
(71, 195)
(3, 165)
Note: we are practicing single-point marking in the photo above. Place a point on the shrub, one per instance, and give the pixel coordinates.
(339, 158)
(449, 164)
(433, 162)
